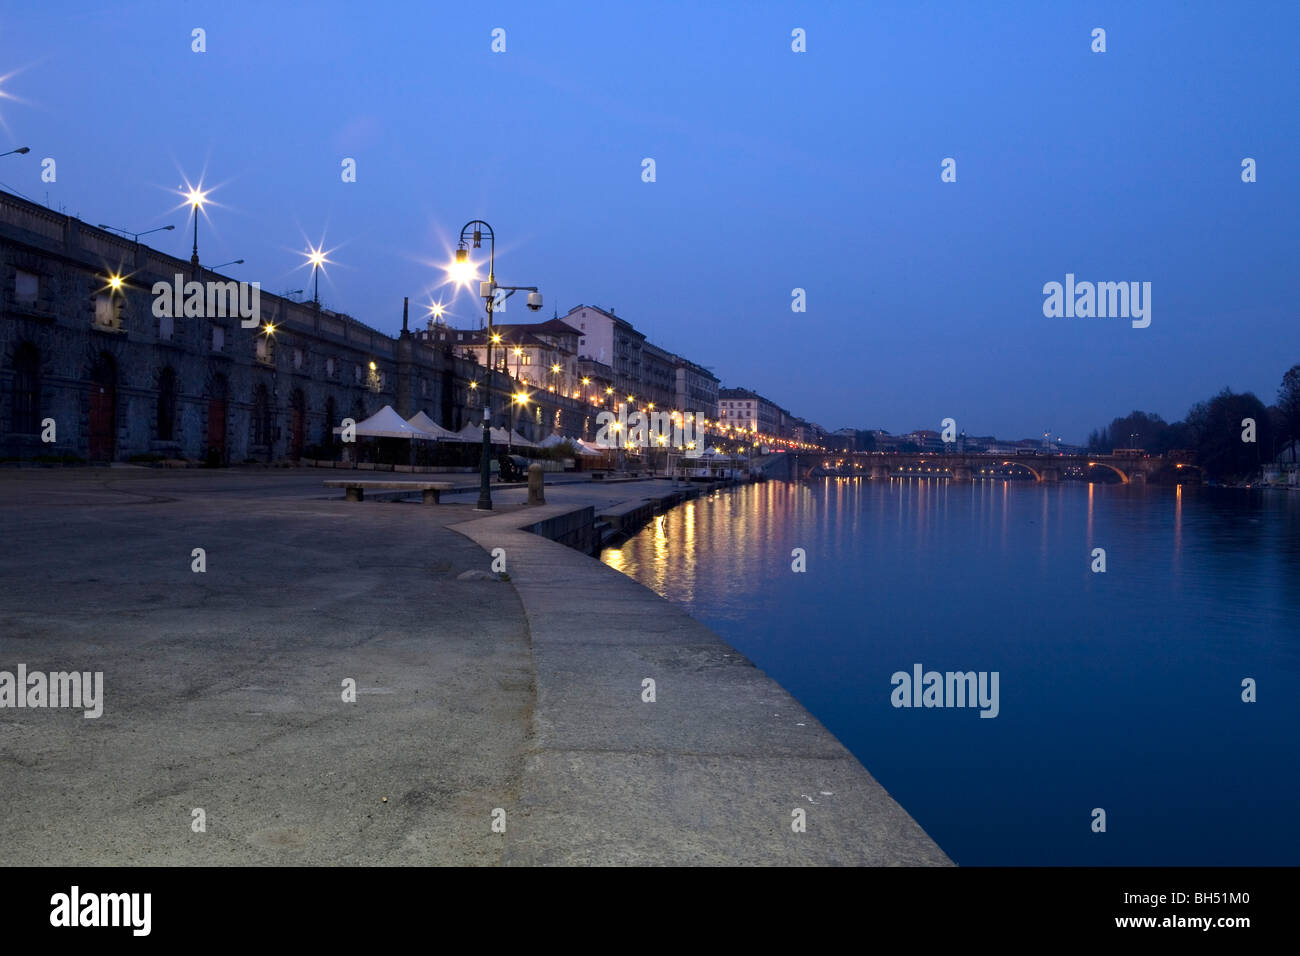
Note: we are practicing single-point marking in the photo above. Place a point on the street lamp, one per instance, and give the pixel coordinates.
(519, 398)
(317, 259)
(135, 236)
(196, 197)
(21, 150)
(462, 271)
(232, 262)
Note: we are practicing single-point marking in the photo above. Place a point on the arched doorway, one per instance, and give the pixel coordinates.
(327, 433)
(262, 422)
(297, 423)
(167, 404)
(25, 392)
(217, 400)
(102, 433)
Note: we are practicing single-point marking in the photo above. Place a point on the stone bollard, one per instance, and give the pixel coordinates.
(536, 496)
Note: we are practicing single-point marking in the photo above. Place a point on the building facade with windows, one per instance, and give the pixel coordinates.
(81, 347)
(610, 340)
(695, 388)
(742, 408)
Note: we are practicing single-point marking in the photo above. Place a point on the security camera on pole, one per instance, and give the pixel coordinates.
(488, 289)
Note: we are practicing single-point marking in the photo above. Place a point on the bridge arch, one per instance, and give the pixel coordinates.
(1038, 476)
(1124, 479)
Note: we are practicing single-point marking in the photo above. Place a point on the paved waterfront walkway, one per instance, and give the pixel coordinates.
(223, 691)
(710, 773)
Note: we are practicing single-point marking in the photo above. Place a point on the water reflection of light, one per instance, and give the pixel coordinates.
(1092, 489)
(659, 553)
(1043, 520)
(1178, 527)
(1006, 490)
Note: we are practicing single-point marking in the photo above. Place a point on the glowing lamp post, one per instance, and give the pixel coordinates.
(462, 270)
(196, 198)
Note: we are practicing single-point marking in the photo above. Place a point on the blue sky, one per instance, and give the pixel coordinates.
(775, 170)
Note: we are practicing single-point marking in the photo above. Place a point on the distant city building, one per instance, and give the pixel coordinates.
(541, 356)
(611, 341)
(695, 388)
(658, 381)
(742, 408)
(808, 433)
(926, 440)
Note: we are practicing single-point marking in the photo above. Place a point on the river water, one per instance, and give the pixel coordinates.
(1118, 690)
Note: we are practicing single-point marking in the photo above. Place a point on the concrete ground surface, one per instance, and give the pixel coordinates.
(223, 690)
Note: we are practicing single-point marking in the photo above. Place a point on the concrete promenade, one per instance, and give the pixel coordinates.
(223, 690)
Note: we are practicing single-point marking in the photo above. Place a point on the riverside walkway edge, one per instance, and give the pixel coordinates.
(714, 771)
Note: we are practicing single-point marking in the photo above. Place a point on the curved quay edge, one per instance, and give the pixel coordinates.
(711, 773)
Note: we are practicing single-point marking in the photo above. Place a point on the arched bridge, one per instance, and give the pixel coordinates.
(961, 466)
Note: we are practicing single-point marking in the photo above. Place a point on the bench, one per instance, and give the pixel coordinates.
(355, 488)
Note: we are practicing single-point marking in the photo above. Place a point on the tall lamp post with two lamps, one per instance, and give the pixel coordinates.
(474, 231)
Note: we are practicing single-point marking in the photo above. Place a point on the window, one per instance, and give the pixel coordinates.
(105, 311)
(329, 367)
(166, 327)
(263, 345)
(218, 338)
(359, 374)
(297, 358)
(25, 415)
(26, 288)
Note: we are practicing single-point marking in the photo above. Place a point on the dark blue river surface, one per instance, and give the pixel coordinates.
(1119, 690)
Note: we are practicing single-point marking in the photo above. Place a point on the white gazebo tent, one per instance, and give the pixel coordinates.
(386, 423)
(473, 432)
(424, 423)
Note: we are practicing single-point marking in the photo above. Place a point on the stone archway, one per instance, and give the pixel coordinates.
(218, 397)
(101, 431)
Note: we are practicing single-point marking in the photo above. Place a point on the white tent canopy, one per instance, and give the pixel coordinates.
(590, 449)
(424, 423)
(473, 432)
(550, 441)
(386, 423)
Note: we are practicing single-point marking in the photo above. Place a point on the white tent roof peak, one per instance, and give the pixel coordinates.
(386, 423)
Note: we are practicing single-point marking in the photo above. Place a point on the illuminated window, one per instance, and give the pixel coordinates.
(106, 314)
(26, 288)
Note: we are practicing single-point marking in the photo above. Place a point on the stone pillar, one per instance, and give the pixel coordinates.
(962, 473)
(879, 471)
(1051, 474)
(1138, 477)
(536, 495)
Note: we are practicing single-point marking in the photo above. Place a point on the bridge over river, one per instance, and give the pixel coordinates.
(964, 466)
